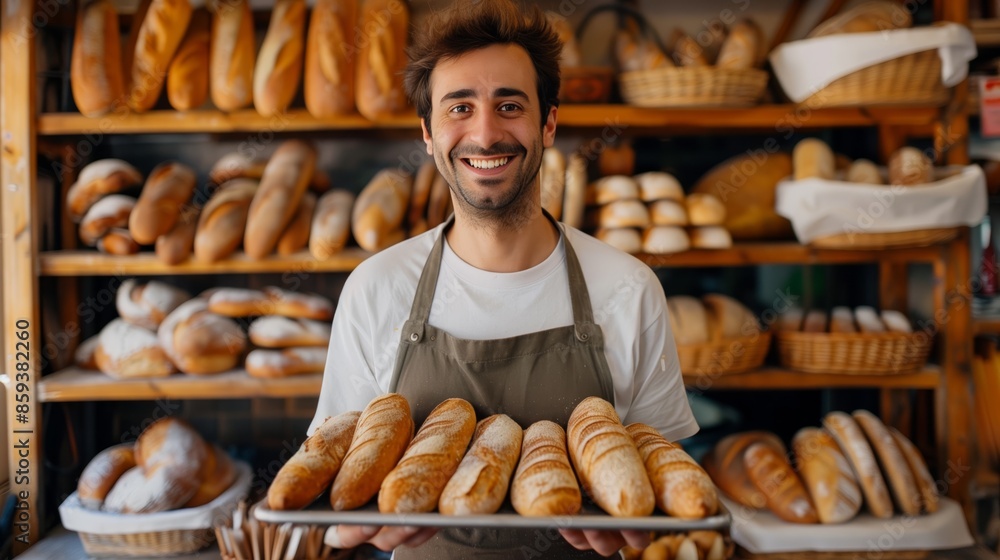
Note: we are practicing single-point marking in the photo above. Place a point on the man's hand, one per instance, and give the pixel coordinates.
(605, 543)
(383, 538)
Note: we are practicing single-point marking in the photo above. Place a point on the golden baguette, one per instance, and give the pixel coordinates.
(683, 489)
(480, 483)
(544, 483)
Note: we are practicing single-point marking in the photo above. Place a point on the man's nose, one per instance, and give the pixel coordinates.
(487, 129)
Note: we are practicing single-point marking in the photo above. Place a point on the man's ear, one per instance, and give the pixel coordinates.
(427, 136)
(549, 128)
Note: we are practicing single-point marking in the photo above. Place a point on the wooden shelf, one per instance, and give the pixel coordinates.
(93, 263)
(986, 325)
(615, 117)
(986, 32)
(75, 384)
(777, 378)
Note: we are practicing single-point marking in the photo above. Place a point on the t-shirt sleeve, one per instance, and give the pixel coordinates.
(660, 399)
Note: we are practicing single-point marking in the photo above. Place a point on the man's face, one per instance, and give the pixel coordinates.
(484, 133)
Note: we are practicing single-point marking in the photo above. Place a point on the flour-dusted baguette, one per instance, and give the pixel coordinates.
(314, 466)
(232, 54)
(298, 304)
(296, 235)
(102, 472)
(187, 78)
(112, 211)
(380, 208)
(925, 482)
(147, 305)
(381, 58)
(544, 482)
(223, 220)
(607, 461)
(774, 476)
(384, 430)
(275, 331)
(272, 364)
(329, 72)
(854, 444)
(480, 483)
(96, 180)
(239, 302)
(331, 224)
(827, 475)
(96, 65)
(279, 61)
(285, 180)
(176, 245)
(168, 188)
(158, 28)
(894, 465)
(553, 178)
(417, 481)
(683, 489)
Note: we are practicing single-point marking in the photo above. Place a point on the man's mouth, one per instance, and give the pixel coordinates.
(487, 163)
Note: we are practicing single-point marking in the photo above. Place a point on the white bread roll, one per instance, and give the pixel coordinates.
(688, 320)
(627, 240)
(895, 321)
(668, 213)
(128, 351)
(614, 188)
(662, 240)
(811, 158)
(331, 224)
(868, 319)
(705, 210)
(623, 213)
(864, 171)
(710, 237)
(147, 305)
(657, 185)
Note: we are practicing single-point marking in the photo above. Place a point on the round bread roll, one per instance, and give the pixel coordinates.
(864, 171)
(710, 237)
(909, 166)
(97, 179)
(623, 213)
(627, 240)
(275, 331)
(615, 188)
(657, 185)
(662, 240)
(813, 158)
(201, 342)
(668, 213)
(170, 455)
(728, 318)
(102, 472)
(127, 351)
(688, 320)
(147, 305)
(216, 477)
(859, 454)
(705, 210)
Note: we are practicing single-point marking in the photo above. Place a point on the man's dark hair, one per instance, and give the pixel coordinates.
(470, 26)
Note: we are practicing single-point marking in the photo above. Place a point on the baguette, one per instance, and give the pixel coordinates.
(329, 73)
(842, 320)
(683, 489)
(296, 235)
(773, 475)
(380, 208)
(285, 180)
(384, 430)
(232, 54)
(726, 467)
(859, 454)
(607, 461)
(169, 186)
(827, 475)
(894, 465)
(96, 64)
(416, 483)
(156, 34)
(97, 179)
(381, 58)
(275, 331)
(544, 483)
(416, 217)
(925, 482)
(279, 61)
(222, 221)
(187, 78)
(176, 245)
(314, 466)
(480, 483)
(331, 224)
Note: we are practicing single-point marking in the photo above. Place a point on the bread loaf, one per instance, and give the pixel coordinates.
(749, 198)
(827, 475)
(384, 430)
(201, 342)
(159, 26)
(417, 481)
(239, 302)
(329, 73)
(614, 188)
(895, 321)
(705, 210)
(102, 472)
(381, 59)
(815, 321)
(657, 185)
(380, 208)
(683, 489)
(170, 455)
(868, 319)
(668, 213)
(688, 320)
(868, 17)
(168, 188)
(331, 224)
(299, 305)
(187, 78)
(773, 475)
(894, 465)
(553, 178)
(175, 246)
(273, 364)
(728, 318)
(97, 179)
(627, 240)
(662, 240)
(147, 305)
(285, 180)
(813, 158)
(909, 166)
(739, 50)
(544, 482)
(864, 171)
(117, 241)
(480, 482)
(216, 477)
(312, 468)
(233, 52)
(223, 220)
(574, 202)
(96, 65)
(236, 165)
(623, 213)
(790, 320)
(112, 211)
(606, 460)
(925, 482)
(633, 52)
(274, 331)
(859, 454)
(279, 62)
(296, 234)
(710, 237)
(687, 51)
(726, 467)
(127, 351)
(842, 320)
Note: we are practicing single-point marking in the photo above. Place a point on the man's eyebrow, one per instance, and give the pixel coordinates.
(509, 92)
(459, 94)
(469, 92)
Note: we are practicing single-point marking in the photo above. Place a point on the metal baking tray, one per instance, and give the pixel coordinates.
(592, 517)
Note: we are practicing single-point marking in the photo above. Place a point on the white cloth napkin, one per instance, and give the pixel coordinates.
(818, 207)
(807, 66)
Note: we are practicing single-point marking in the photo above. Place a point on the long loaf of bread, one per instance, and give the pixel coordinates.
(683, 489)
(285, 180)
(233, 52)
(544, 483)
(380, 208)
(607, 461)
(313, 467)
(167, 189)
(157, 32)
(187, 78)
(382, 58)
(481, 481)
(329, 74)
(96, 65)
(223, 219)
(431, 459)
(296, 235)
(773, 475)
(279, 62)
(331, 223)
(384, 430)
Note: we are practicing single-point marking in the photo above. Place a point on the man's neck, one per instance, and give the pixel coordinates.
(503, 250)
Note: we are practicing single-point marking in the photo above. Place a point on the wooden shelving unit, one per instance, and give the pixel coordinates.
(986, 325)
(986, 32)
(778, 378)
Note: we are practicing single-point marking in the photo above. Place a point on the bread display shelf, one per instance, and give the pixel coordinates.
(778, 378)
(987, 325)
(765, 117)
(590, 518)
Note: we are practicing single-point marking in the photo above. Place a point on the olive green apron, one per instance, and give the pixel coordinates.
(531, 377)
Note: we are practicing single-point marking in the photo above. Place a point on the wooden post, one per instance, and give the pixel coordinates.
(896, 406)
(19, 234)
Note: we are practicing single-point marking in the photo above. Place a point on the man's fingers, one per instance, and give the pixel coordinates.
(390, 537)
(636, 539)
(575, 538)
(604, 543)
(348, 536)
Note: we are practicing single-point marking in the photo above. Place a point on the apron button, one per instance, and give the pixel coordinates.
(584, 337)
(414, 337)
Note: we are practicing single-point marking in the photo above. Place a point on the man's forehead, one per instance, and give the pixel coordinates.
(498, 70)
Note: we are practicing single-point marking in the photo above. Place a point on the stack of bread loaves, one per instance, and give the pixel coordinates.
(813, 158)
(96, 202)
(741, 48)
(460, 467)
(169, 467)
(836, 469)
(713, 318)
(212, 53)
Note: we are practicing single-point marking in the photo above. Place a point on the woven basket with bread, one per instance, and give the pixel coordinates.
(716, 336)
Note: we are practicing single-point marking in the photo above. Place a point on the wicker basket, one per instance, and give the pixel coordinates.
(727, 357)
(164, 543)
(911, 79)
(693, 87)
(854, 353)
(889, 240)
(585, 84)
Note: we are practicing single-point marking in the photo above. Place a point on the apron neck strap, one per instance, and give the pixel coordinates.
(420, 311)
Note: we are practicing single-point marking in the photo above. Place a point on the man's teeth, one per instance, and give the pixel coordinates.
(488, 163)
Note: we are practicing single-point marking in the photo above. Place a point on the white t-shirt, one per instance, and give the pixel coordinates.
(627, 300)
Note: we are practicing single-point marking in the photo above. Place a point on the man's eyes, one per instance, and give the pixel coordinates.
(504, 108)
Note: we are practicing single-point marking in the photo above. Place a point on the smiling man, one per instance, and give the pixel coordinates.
(497, 305)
